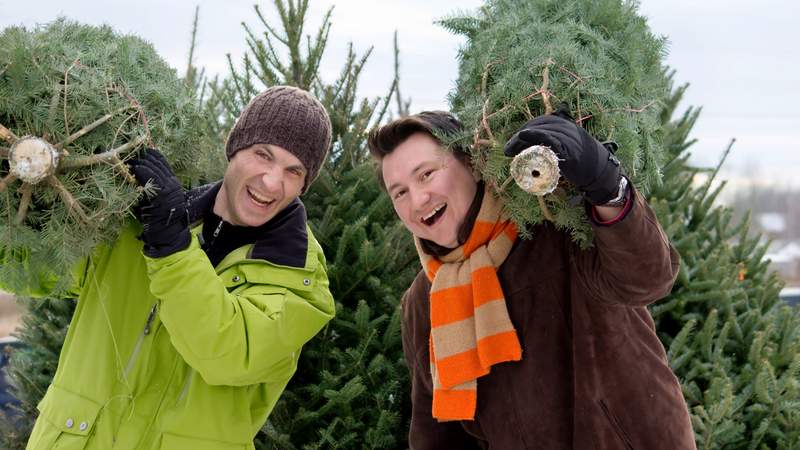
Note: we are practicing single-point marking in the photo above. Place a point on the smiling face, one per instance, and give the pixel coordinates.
(430, 189)
(259, 182)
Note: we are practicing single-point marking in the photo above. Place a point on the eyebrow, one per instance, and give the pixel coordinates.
(299, 167)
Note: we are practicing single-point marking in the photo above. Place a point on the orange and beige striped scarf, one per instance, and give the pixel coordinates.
(470, 327)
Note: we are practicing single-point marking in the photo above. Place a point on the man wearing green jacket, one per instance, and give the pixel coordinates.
(189, 326)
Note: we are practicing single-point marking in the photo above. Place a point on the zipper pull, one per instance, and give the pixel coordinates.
(206, 246)
(150, 318)
(219, 228)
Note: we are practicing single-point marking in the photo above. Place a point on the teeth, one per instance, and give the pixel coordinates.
(435, 210)
(259, 198)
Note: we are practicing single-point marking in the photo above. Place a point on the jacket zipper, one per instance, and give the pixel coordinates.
(207, 245)
(616, 426)
(162, 396)
(217, 230)
(138, 347)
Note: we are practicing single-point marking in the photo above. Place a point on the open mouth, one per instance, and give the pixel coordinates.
(434, 215)
(259, 199)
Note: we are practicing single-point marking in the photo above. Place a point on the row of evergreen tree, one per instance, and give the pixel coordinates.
(735, 348)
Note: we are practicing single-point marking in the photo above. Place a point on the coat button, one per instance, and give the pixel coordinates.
(236, 278)
(306, 281)
(69, 423)
(83, 426)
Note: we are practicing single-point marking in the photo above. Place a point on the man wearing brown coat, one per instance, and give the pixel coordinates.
(518, 343)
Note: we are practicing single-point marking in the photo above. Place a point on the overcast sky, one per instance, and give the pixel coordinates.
(740, 56)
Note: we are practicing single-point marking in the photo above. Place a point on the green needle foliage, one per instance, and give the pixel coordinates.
(104, 72)
(523, 57)
(731, 341)
(732, 344)
(63, 79)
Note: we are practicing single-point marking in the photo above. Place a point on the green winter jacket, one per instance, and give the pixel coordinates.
(172, 353)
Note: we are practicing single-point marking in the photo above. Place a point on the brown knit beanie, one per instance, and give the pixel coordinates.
(288, 117)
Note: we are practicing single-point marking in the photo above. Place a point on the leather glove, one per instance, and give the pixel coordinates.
(583, 160)
(163, 214)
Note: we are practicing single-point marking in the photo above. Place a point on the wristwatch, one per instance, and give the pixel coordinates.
(622, 194)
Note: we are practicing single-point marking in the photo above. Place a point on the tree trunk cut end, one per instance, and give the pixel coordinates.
(32, 159)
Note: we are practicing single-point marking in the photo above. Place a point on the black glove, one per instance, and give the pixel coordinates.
(584, 161)
(163, 214)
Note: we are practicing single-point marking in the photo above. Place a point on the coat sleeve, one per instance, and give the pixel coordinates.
(247, 336)
(425, 433)
(631, 263)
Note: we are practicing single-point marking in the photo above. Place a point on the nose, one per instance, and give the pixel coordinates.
(419, 198)
(273, 180)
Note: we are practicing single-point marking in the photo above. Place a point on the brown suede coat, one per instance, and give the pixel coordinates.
(593, 373)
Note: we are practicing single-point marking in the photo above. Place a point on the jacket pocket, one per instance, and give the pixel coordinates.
(69, 417)
(613, 422)
(175, 442)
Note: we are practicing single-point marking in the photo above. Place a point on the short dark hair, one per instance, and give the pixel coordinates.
(383, 140)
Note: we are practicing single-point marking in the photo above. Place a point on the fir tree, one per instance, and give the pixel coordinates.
(523, 58)
(350, 387)
(731, 341)
(92, 68)
(79, 100)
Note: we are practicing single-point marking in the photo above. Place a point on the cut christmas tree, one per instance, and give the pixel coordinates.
(97, 70)
(524, 58)
(76, 101)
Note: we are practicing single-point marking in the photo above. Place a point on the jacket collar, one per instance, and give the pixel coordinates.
(283, 240)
